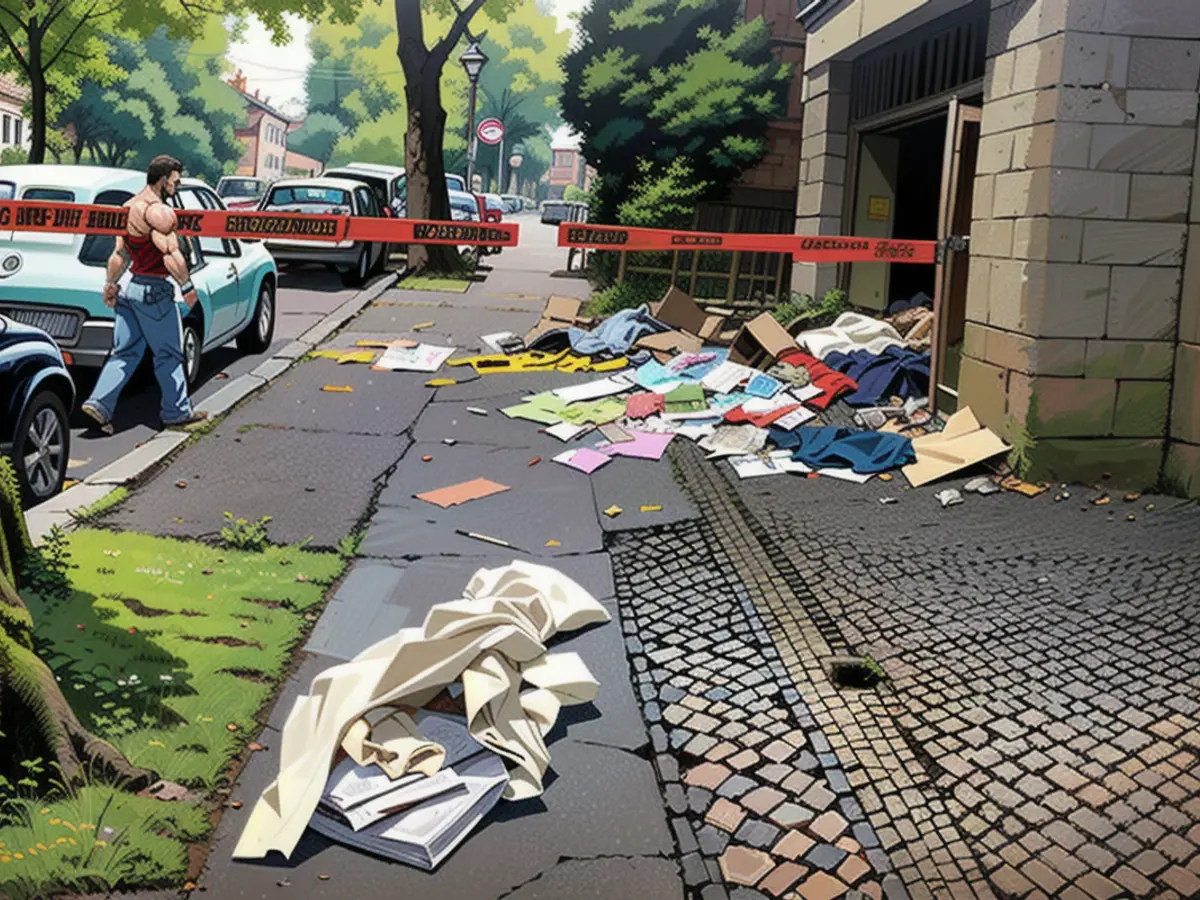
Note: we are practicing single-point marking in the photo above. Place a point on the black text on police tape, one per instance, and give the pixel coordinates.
(464, 233)
(608, 236)
(283, 225)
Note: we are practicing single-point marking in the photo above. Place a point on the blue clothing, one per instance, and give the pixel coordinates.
(616, 334)
(833, 447)
(897, 372)
(146, 316)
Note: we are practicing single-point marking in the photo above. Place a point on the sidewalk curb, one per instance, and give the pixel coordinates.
(146, 456)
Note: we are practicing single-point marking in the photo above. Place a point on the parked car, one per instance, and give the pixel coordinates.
(36, 396)
(355, 261)
(54, 281)
(456, 183)
(388, 182)
(494, 208)
(465, 207)
(555, 212)
(241, 191)
(512, 203)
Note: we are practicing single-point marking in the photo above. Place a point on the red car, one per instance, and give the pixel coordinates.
(492, 207)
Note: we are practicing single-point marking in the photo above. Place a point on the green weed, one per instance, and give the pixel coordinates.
(242, 534)
(101, 507)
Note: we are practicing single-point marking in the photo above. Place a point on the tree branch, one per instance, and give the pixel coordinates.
(83, 20)
(16, 51)
(442, 50)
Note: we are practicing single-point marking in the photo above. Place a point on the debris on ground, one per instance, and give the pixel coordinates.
(1013, 483)
(948, 497)
(651, 507)
(421, 358)
(464, 492)
(613, 511)
(982, 485)
(475, 536)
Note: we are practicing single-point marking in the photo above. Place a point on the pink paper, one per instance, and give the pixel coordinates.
(645, 445)
(585, 459)
(641, 406)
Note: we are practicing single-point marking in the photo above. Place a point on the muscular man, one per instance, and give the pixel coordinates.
(146, 314)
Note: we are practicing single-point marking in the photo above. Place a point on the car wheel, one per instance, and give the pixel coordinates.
(193, 345)
(41, 448)
(257, 336)
(357, 276)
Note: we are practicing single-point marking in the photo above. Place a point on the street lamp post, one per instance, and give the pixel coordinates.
(472, 60)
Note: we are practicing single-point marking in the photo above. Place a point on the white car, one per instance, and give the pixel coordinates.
(54, 281)
(388, 182)
(355, 261)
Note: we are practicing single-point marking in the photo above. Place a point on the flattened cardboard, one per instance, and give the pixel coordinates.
(760, 341)
(963, 443)
(681, 312)
(670, 342)
(560, 312)
(457, 494)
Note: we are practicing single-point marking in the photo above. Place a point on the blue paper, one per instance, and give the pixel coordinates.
(763, 386)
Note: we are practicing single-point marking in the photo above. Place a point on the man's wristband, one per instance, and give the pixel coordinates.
(186, 288)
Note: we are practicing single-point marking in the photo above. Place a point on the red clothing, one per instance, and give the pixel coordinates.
(147, 258)
(738, 416)
(834, 384)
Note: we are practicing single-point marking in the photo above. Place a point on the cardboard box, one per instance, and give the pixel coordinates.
(560, 312)
(960, 445)
(670, 342)
(760, 341)
(683, 313)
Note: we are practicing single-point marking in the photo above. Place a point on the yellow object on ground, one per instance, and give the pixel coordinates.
(338, 389)
(537, 361)
(357, 356)
(613, 511)
(440, 382)
(652, 508)
(493, 639)
(423, 325)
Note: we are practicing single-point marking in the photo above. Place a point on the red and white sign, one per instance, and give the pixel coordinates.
(490, 131)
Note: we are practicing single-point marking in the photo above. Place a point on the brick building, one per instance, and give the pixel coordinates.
(1059, 136)
(265, 136)
(567, 167)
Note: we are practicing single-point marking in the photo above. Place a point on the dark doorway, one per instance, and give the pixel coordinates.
(918, 193)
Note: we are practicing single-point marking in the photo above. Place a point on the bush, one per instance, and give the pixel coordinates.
(812, 313)
(573, 193)
(625, 295)
(242, 534)
(13, 156)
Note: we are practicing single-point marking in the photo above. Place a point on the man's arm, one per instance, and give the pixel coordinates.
(161, 219)
(118, 263)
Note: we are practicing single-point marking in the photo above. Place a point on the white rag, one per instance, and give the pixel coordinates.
(493, 639)
(851, 331)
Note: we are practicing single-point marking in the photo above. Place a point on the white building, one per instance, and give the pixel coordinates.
(14, 128)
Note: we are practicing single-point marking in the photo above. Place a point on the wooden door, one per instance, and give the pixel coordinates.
(954, 228)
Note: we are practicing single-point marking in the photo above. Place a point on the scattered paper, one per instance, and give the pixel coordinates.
(727, 376)
(794, 419)
(593, 390)
(777, 462)
(640, 406)
(948, 497)
(357, 356)
(685, 398)
(543, 408)
(734, 440)
(644, 445)
(565, 431)
(494, 341)
(421, 358)
(656, 377)
(763, 386)
(1012, 483)
(585, 459)
(614, 433)
(845, 475)
(807, 392)
(477, 411)
(457, 494)
(384, 345)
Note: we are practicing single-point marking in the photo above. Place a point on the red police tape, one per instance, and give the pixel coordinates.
(76, 218)
(802, 247)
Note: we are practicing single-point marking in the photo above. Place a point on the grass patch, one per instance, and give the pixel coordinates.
(168, 649)
(434, 283)
(101, 507)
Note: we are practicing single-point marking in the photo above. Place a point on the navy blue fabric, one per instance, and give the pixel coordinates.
(897, 372)
(834, 447)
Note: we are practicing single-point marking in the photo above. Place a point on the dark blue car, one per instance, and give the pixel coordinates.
(36, 396)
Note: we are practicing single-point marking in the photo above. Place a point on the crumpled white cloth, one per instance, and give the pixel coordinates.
(852, 331)
(493, 639)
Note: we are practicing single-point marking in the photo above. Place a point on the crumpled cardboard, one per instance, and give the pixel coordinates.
(962, 443)
(760, 341)
(560, 312)
(684, 314)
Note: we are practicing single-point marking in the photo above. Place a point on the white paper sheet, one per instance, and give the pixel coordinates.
(777, 462)
(421, 358)
(493, 340)
(592, 390)
(725, 377)
(794, 419)
(806, 393)
(757, 405)
(565, 431)
(845, 475)
(734, 440)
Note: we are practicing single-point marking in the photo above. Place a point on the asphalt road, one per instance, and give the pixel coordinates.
(305, 296)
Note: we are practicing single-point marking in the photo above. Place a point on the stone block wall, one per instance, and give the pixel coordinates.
(1083, 332)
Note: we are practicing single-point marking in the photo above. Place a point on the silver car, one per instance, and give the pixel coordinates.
(355, 261)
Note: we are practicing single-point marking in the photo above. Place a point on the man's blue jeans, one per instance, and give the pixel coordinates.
(146, 315)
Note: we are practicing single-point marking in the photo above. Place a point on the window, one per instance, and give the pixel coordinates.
(50, 195)
(198, 198)
(7, 127)
(97, 248)
(564, 159)
(17, 131)
(8, 190)
(316, 200)
(368, 205)
(240, 188)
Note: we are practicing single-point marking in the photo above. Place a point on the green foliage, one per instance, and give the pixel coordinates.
(179, 641)
(13, 156)
(623, 295)
(242, 534)
(171, 99)
(812, 313)
(14, 535)
(101, 507)
(652, 84)
(349, 546)
(661, 197)
(92, 839)
(47, 569)
(574, 193)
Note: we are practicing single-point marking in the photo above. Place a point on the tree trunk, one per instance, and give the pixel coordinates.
(29, 693)
(37, 100)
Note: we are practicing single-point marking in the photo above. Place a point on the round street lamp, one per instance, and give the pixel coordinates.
(473, 60)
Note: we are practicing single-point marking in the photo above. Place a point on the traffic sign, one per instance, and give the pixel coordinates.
(490, 131)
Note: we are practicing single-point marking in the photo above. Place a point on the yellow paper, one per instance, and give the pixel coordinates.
(423, 326)
(652, 508)
(338, 389)
(357, 356)
(440, 382)
(328, 354)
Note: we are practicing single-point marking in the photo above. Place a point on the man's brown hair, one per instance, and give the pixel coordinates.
(161, 167)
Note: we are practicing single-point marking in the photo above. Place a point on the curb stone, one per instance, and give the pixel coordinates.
(128, 468)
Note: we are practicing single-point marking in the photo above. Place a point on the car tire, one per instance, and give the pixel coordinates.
(193, 347)
(43, 429)
(357, 275)
(258, 334)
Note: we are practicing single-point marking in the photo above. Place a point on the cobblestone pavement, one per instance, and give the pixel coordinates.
(1038, 733)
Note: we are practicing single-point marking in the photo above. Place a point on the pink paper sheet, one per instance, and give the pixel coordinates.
(645, 445)
(585, 459)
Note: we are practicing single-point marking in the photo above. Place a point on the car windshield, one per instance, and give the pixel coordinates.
(8, 190)
(465, 206)
(49, 195)
(310, 199)
(240, 187)
(555, 209)
(493, 203)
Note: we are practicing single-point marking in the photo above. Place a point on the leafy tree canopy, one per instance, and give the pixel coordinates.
(659, 88)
